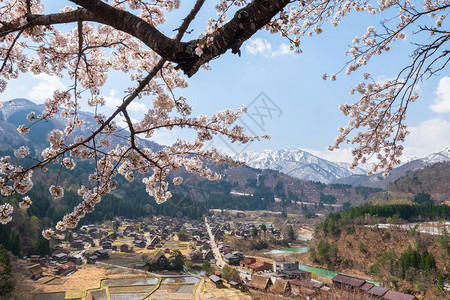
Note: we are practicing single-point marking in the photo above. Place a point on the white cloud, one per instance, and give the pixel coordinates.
(111, 100)
(442, 101)
(258, 45)
(45, 88)
(138, 107)
(261, 46)
(165, 136)
(428, 137)
(283, 50)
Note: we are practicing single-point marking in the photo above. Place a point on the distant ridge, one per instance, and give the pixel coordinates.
(298, 163)
(14, 112)
(378, 181)
(304, 165)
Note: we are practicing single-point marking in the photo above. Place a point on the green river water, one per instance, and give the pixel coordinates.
(316, 271)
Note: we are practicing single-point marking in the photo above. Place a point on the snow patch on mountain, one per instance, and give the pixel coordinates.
(298, 163)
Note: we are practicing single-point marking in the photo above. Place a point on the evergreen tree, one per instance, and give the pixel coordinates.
(6, 280)
(440, 281)
(42, 246)
(177, 260)
(290, 233)
(15, 245)
(422, 198)
(264, 228)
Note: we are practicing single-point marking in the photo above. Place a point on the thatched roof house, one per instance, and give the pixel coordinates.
(35, 271)
(281, 287)
(260, 282)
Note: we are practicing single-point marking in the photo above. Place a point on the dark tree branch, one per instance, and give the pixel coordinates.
(50, 19)
(246, 22)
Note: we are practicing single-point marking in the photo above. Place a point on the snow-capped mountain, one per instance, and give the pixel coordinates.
(13, 113)
(298, 163)
(304, 165)
(433, 158)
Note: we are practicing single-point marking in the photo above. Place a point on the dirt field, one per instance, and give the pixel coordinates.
(208, 291)
(86, 277)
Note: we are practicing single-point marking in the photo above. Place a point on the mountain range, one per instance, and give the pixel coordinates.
(292, 162)
(378, 181)
(306, 166)
(298, 163)
(14, 113)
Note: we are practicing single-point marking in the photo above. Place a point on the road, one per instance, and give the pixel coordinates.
(219, 261)
(199, 289)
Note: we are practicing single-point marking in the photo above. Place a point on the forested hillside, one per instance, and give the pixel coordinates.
(433, 180)
(402, 256)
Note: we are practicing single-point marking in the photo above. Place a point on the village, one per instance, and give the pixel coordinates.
(137, 259)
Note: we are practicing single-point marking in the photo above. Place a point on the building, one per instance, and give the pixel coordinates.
(377, 291)
(296, 274)
(366, 286)
(392, 295)
(60, 257)
(281, 287)
(37, 259)
(124, 248)
(77, 259)
(247, 261)
(65, 269)
(102, 254)
(342, 280)
(281, 266)
(216, 281)
(260, 282)
(154, 241)
(140, 243)
(232, 259)
(209, 255)
(305, 287)
(92, 259)
(68, 268)
(160, 260)
(36, 271)
(77, 244)
(107, 244)
(260, 266)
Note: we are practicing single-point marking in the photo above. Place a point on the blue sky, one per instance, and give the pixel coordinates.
(304, 107)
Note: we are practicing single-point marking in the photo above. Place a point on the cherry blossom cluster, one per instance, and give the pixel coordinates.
(382, 107)
(26, 202)
(385, 128)
(14, 179)
(204, 43)
(223, 8)
(6, 211)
